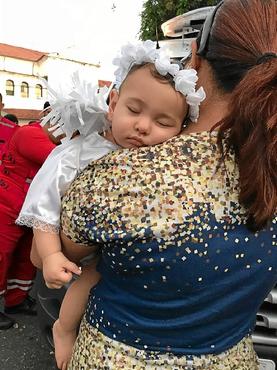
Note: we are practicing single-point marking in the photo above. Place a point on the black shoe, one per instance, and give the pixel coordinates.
(27, 307)
(5, 321)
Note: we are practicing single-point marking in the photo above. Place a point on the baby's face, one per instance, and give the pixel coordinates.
(146, 112)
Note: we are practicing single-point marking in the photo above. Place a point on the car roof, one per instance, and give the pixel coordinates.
(187, 23)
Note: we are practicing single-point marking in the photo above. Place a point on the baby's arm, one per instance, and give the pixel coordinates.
(76, 297)
(57, 269)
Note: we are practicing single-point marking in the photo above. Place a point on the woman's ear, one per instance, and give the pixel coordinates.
(195, 60)
(112, 104)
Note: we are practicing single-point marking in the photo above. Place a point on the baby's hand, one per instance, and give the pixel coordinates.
(58, 270)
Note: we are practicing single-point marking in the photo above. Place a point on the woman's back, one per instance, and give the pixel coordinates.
(180, 270)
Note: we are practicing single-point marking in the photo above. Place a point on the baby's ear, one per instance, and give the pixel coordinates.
(113, 101)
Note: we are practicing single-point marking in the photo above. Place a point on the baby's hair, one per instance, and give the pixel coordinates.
(168, 78)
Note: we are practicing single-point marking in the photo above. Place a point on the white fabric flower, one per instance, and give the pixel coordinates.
(83, 109)
(194, 99)
(185, 81)
(163, 66)
(131, 54)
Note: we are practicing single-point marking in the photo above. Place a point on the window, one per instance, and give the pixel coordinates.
(10, 87)
(24, 90)
(38, 91)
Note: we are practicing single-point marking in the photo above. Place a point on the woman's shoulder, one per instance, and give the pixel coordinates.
(192, 159)
(32, 130)
(193, 146)
(190, 155)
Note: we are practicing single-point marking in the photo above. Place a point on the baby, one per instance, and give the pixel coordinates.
(148, 107)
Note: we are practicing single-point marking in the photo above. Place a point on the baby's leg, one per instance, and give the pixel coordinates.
(72, 309)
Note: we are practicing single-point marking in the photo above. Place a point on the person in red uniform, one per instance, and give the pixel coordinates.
(22, 157)
(7, 127)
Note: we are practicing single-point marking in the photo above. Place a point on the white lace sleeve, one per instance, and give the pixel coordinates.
(42, 206)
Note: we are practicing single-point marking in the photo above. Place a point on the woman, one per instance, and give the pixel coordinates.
(187, 227)
(21, 158)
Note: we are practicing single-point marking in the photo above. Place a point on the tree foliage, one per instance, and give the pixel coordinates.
(156, 12)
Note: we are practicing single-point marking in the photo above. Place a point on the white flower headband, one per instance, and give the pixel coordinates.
(146, 52)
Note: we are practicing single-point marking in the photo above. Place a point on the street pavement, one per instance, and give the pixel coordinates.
(22, 346)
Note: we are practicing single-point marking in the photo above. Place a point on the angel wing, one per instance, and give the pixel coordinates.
(83, 109)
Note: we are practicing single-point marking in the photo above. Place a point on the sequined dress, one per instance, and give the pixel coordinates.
(182, 276)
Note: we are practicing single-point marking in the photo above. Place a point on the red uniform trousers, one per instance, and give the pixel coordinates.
(16, 272)
(20, 161)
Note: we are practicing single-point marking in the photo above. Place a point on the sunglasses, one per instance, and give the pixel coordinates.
(204, 34)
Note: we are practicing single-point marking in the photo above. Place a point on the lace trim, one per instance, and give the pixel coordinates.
(33, 222)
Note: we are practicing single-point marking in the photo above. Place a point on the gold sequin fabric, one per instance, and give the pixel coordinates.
(122, 190)
(93, 351)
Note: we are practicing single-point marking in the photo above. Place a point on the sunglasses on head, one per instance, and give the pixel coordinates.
(204, 34)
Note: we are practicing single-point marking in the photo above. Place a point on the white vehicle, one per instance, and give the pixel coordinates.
(182, 30)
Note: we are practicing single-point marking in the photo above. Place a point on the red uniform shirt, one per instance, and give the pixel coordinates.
(22, 158)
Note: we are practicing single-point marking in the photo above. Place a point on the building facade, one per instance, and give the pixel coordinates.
(21, 85)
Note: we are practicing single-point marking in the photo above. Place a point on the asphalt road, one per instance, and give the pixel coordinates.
(22, 347)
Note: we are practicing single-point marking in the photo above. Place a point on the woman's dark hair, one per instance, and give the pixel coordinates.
(243, 32)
